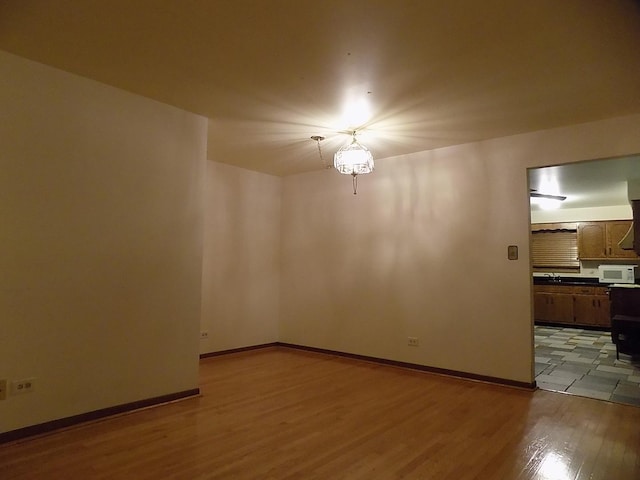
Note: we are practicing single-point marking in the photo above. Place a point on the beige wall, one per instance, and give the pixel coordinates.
(101, 198)
(613, 212)
(240, 279)
(422, 251)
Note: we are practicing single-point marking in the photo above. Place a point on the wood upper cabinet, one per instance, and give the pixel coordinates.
(635, 206)
(592, 240)
(616, 232)
(599, 240)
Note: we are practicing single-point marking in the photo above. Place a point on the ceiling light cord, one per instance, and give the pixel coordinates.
(324, 164)
(355, 183)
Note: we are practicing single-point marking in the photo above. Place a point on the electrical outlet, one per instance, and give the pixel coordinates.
(19, 387)
(413, 341)
(3, 389)
(204, 335)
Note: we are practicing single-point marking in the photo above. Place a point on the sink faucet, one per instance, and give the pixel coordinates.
(553, 277)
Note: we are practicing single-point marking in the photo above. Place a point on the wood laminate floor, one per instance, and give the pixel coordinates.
(282, 414)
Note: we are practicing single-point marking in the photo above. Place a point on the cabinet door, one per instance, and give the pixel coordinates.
(542, 306)
(549, 305)
(592, 240)
(603, 313)
(616, 230)
(585, 309)
(561, 308)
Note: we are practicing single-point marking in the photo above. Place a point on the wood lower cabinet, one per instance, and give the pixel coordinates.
(603, 307)
(553, 304)
(591, 309)
(572, 305)
(584, 310)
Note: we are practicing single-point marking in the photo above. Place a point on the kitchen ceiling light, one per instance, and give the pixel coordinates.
(353, 159)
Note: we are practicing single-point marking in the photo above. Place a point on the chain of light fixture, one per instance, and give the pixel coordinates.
(318, 139)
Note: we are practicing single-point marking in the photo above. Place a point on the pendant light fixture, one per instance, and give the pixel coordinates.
(353, 159)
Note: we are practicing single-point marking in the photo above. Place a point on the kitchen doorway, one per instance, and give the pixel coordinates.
(572, 346)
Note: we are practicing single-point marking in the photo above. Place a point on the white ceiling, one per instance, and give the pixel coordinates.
(269, 74)
(597, 183)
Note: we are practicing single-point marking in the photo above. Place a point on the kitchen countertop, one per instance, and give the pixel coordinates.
(590, 281)
(569, 281)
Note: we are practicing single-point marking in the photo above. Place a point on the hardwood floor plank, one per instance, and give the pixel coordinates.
(279, 414)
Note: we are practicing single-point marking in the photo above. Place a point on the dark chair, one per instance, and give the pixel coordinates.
(625, 334)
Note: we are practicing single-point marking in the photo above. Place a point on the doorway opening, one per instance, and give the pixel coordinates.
(573, 348)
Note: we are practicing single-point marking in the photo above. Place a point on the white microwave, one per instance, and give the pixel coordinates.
(617, 273)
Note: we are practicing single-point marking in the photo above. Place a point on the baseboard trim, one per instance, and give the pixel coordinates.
(74, 420)
(415, 366)
(564, 325)
(237, 350)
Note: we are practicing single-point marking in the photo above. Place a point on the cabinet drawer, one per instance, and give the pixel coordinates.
(553, 289)
(571, 289)
(580, 290)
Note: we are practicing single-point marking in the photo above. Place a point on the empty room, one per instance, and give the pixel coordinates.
(293, 240)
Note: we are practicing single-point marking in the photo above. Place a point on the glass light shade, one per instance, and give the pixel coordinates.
(353, 159)
(547, 203)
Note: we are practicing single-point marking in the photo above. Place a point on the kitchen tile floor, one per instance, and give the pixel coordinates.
(583, 362)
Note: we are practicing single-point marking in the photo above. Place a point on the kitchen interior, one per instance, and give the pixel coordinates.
(585, 254)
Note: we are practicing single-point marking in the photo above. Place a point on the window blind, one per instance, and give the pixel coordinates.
(555, 249)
